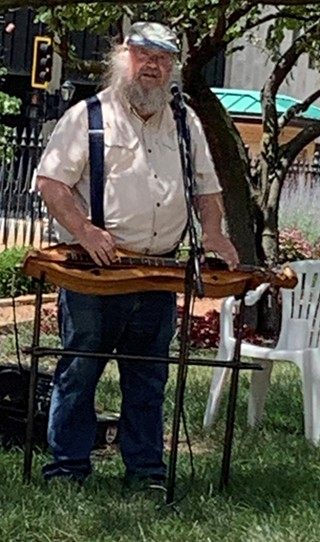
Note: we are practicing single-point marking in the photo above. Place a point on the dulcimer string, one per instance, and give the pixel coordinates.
(81, 259)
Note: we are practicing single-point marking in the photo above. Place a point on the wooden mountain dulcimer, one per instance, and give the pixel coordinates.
(70, 266)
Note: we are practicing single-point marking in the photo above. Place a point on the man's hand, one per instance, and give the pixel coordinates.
(98, 243)
(211, 210)
(223, 246)
(61, 204)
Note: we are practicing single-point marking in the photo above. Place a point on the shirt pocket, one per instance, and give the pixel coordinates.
(118, 159)
(168, 158)
(169, 141)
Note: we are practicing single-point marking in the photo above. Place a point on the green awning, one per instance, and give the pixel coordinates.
(247, 103)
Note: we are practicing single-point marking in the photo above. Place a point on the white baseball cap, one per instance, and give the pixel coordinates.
(152, 35)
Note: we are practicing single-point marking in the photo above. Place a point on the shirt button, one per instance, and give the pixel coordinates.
(158, 204)
(155, 233)
(156, 176)
(149, 150)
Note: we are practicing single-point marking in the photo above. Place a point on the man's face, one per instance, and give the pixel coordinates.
(150, 67)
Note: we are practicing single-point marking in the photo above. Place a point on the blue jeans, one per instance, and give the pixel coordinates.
(139, 324)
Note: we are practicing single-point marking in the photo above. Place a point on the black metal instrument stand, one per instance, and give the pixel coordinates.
(235, 365)
(34, 364)
(183, 361)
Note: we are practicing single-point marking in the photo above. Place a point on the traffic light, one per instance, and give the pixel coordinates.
(41, 62)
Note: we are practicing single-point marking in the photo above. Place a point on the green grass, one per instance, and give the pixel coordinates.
(273, 493)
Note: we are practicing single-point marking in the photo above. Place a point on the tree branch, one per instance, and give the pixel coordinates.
(220, 28)
(215, 40)
(237, 14)
(290, 150)
(289, 58)
(250, 24)
(270, 144)
(85, 67)
(294, 110)
(307, 18)
(15, 4)
(285, 2)
(214, 35)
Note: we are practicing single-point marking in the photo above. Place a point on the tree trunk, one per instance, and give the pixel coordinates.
(232, 166)
(267, 198)
(268, 208)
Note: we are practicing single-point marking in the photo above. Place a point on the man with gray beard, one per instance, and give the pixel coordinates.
(144, 211)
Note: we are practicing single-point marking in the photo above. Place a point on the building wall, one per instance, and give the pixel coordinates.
(251, 133)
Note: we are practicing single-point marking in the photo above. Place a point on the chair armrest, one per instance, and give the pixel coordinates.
(226, 320)
(226, 313)
(252, 296)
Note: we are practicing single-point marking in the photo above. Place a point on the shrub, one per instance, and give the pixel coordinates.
(49, 321)
(299, 209)
(205, 331)
(12, 280)
(9, 105)
(293, 246)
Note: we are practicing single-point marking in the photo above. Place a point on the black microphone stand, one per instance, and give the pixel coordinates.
(193, 281)
(180, 116)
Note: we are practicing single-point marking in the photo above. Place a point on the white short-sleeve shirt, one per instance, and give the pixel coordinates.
(144, 196)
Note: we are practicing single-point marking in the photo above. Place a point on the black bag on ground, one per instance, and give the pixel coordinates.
(14, 390)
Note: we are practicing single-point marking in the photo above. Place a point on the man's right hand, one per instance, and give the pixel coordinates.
(60, 201)
(98, 243)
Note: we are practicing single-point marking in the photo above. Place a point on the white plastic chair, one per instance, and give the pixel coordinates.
(298, 342)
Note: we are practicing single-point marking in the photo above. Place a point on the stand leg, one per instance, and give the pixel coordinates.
(232, 404)
(34, 362)
(180, 385)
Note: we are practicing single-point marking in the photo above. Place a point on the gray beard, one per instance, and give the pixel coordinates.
(148, 101)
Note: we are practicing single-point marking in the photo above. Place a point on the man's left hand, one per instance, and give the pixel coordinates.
(223, 246)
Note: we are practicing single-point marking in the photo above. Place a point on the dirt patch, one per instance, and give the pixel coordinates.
(24, 309)
(202, 306)
(24, 313)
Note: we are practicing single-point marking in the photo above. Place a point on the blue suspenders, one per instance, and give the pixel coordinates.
(96, 160)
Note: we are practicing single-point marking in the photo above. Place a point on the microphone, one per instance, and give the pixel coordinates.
(174, 89)
(178, 100)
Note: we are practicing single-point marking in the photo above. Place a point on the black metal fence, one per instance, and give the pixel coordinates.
(24, 219)
(304, 173)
